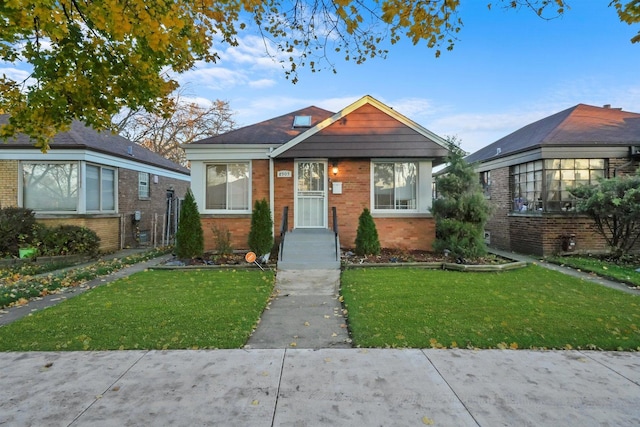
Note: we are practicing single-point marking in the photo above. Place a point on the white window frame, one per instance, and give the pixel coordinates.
(81, 204)
(144, 184)
(418, 186)
(86, 188)
(249, 190)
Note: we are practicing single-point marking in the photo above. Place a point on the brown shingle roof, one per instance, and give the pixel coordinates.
(278, 130)
(84, 137)
(580, 125)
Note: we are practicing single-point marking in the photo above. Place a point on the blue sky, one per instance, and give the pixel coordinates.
(508, 69)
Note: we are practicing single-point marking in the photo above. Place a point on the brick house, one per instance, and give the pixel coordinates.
(527, 174)
(121, 190)
(312, 160)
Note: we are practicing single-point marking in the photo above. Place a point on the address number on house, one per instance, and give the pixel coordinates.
(284, 174)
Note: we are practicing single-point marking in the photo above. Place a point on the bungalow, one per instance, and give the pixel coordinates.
(528, 173)
(313, 160)
(124, 192)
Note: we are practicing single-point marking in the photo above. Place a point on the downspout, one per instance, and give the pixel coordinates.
(271, 193)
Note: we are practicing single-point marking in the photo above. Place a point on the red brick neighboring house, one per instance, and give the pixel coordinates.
(98, 180)
(311, 160)
(527, 175)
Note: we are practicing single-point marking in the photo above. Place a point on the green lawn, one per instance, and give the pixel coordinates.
(528, 308)
(624, 272)
(150, 310)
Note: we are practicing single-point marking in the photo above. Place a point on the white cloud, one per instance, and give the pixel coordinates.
(262, 83)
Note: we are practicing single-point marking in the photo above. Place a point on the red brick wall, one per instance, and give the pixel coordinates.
(240, 225)
(541, 234)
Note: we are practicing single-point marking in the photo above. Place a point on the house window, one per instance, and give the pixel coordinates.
(143, 185)
(395, 185)
(544, 185)
(100, 188)
(50, 186)
(485, 183)
(227, 187)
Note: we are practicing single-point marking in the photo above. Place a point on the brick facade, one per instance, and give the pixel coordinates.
(153, 210)
(542, 234)
(239, 225)
(107, 226)
(8, 183)
(398, 232)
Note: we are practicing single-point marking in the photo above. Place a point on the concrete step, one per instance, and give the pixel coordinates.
(309, 249)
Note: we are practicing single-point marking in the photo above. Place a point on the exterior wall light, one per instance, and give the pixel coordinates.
(334, 168)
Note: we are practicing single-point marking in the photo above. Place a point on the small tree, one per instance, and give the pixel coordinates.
(614, 206)
(189, 237)
(462, 211)
(261, 234)
(367, 242)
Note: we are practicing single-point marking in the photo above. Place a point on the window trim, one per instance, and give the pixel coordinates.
(81, 203)
(100, 189)
(543, 206)
(395, 212)
(249, 190)
(148, 186)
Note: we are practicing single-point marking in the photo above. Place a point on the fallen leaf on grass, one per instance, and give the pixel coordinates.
(427, 421)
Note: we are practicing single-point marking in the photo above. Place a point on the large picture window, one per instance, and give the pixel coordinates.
(228, 187)
(395, 185)
(544, 185)
(50, 186)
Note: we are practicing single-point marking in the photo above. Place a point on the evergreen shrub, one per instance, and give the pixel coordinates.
(367, 241)
(261, 233)
(189, 237)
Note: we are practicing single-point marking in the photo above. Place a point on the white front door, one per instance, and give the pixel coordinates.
(311, 194)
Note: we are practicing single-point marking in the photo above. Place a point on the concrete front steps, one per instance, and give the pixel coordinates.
(309, 249)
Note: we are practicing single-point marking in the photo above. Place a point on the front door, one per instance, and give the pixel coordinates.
(311, 194)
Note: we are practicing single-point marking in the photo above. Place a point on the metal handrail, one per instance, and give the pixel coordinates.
(284, 227)
(335, 231)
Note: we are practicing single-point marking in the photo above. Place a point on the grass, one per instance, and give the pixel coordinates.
(150, 310)
(623, 272)
(528, 308)
(18, 286)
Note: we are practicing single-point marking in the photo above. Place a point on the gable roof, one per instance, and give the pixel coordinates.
(581, 125)
(366, 128)
(80, 136)
(278, 130)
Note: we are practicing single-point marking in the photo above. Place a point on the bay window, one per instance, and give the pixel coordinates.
(544, 185)
(227, 187)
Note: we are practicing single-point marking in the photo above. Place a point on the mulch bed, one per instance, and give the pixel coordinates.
(390, 256)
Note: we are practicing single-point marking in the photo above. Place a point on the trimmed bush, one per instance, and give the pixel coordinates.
(189, 237)
(261, 234)
(67, 240)
(16, 228)
(367, 242)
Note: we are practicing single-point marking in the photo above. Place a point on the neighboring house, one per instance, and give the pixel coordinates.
(528, 174)
(124, 192)
(311, 160)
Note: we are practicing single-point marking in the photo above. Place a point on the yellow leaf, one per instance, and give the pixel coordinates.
(427, 421)
(255, 402)
(293, 344)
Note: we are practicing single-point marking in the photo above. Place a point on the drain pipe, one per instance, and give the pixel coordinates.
(271, 194)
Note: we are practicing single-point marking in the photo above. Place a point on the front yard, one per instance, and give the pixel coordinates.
(150, 310)
(528, 308)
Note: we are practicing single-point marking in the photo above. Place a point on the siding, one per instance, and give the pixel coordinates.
(366, 132)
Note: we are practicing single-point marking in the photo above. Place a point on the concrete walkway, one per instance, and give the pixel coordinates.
(304, 312)
(328, 387)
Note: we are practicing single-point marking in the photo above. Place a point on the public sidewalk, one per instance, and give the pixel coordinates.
(327, 387)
